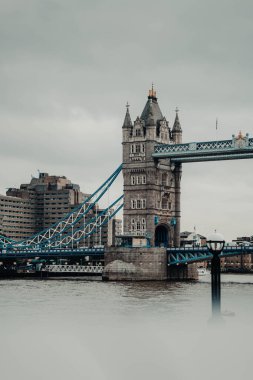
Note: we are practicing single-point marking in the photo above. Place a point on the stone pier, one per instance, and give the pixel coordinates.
(143, 264)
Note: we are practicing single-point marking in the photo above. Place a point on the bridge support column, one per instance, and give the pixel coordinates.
(135, 264)
(185, 272)
(178, 174)
(143, 264)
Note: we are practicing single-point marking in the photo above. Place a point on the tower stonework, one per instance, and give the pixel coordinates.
(151, 186)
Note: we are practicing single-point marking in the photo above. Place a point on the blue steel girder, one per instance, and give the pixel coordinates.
(238, 148)
(179, 256)
(26, 253)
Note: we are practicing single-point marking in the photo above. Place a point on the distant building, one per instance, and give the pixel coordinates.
(17, 217)
(240, 262)
(192, 239)
(43, 202)
(237, 263)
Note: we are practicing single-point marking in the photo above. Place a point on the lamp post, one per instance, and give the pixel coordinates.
(215, 243)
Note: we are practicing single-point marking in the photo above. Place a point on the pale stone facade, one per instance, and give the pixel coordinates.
(151, 187)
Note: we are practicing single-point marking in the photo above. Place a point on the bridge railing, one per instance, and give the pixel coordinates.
(223, 149)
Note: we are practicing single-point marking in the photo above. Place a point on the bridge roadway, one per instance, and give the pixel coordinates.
(238, 148)
(176, 256)
(27, 253)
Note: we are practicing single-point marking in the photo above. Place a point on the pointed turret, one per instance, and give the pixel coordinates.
(127, 122)
(150, 114)
(177, 130)
(153, 105)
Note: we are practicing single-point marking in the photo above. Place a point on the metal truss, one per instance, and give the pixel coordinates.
(68, 230)
(75, 234)
(4, 241)
(96, 269)
(237, 148)
(80, 232)
(177, 256)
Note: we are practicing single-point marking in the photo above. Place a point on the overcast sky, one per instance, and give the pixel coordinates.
(69, 67)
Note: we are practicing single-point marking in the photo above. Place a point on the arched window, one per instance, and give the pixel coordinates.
(138, 132)
(164, 179)
(164, 203)
(133, 203)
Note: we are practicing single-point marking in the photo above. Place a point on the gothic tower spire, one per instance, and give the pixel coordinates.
(177, 130)
(127, 122)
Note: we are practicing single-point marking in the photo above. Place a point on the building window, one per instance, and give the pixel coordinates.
(132, 227)
(133, 203)
(138, 203)
(164, 203)
(137, 148)
(138, 132)
(164, 179)
(138, 179)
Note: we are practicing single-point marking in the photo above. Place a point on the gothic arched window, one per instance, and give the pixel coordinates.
(164, 203)
(164, 179)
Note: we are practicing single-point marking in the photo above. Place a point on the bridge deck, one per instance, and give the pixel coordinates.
(47, 253)
(177, 256)
(237, 148)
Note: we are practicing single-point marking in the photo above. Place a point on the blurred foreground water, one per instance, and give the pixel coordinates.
(77, 329)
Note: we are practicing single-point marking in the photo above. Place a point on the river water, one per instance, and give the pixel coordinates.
(77, 329)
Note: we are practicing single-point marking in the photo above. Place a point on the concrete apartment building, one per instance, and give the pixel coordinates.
(39, 204)
(17, 217)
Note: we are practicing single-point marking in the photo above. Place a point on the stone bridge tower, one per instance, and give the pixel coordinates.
(151, 186)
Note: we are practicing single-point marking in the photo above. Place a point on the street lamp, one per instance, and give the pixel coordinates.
(215, 243)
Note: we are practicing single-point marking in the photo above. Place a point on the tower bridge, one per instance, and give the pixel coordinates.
(153, 154)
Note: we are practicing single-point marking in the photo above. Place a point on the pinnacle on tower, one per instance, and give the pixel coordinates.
(177, 125)
(127, 122)
(152, 93)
